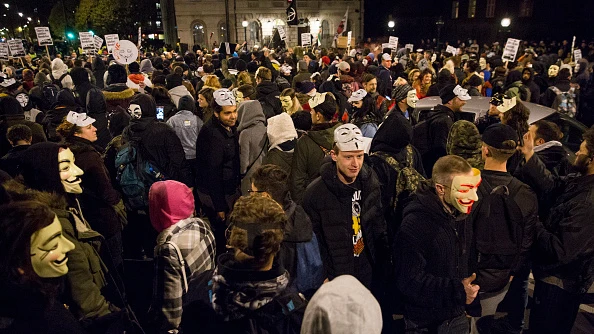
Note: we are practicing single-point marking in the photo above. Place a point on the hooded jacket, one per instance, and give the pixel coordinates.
(146, 67)
(171, 206)
(267, 94)
(12, 113)
(31, 114)
(98, 72)
(534, 89)
(444, 78)
(177, 92)
(282, 137)
(253, 140)
(464, 140)
(439, 129)
(431, 259)
(310, 150)
(328, 203)
(117, 97)
(59, 69)
(187, 125)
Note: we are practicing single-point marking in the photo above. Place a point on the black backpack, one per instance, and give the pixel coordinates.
(58, 82)
(49, 96)
(421, 139)
(498, 225)
(271, 105)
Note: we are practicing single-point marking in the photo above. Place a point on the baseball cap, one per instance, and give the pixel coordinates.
(449, 92)
(500, 136)
(348, 137)
(386, 56)
(224, 97)
(358, 95)
(79, 119)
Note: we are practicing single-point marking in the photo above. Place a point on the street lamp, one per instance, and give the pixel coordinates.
(6, 5)
(244, 24)
(29, 19)
(439, 23)
(505, 22)
(21, 14)
(391, 24)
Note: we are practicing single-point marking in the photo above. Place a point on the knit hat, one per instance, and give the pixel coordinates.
(342, 305)
(304, 87)
(116, 74)
(501, 136)
(148, 107)
(400, 92)
(146, 66)
(173, 80)
(241, 65)
(134, 67)
(449, 92)
(169, 202)
(326, 60)
(79, 76)
(302, 65)
(464, 140)
(280, 129)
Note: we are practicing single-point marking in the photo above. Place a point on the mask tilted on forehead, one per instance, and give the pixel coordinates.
(463, 192)
(69, 172)
(412, 99)
(48, 251)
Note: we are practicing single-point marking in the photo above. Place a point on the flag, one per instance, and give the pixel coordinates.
(292, 18)
(341, 27)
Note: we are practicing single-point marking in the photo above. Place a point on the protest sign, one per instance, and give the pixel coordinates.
(44, 36)
(511, 49)
(452, 50)
(125, 52)
(4, 53)
(409, 47)
(393, 41)
(110, 41)
(16, 48)
(305, 39)
(577, 55)
(349, 36)
(282, 33)
(98, 42)
(87, 42)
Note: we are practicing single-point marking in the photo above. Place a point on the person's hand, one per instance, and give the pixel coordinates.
(528, 148)
(470, 289)
(142, 85)
(493, 110)
(221, 215)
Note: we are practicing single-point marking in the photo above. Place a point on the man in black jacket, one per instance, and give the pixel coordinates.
(268, 92)
(564, 244)
(431, 251)
(547, 146)
(344, 205)
(453, 98)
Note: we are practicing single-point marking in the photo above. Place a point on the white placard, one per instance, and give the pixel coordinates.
(4, 53)
(409, 46)
(349, 36)
(98, 42)
(87, 42)
(511, 49)
(452, 50)
(125, 52)
(577, 55)
(282, 33)
(139, 36)
(305, 39)
(110, 41)
(16, 48)
(44, 37)
(393, 41)
(386, 46)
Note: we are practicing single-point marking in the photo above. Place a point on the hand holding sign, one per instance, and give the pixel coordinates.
(125, 52)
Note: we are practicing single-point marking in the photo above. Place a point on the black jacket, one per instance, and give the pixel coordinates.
(297, 230)
(564, 246)
(431, 256)
(328, 203)
(384, 82)
(267, 94)
(548, 96)
(11, 161)
(92, 99)
(439, 129)
(163, 147)
(217, 160)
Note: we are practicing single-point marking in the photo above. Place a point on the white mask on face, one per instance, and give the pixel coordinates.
(135, 111)
(463, 192)
(48, 251)
(69, 172)
(23, 99)
(553, 71)
(411, 98)
(483, 63)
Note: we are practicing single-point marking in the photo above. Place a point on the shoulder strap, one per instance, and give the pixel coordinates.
(258, 157)
(556, 90)
(182, 261)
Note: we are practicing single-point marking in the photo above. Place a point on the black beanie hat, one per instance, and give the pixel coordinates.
(173, 80)
(501, 136)
(241, 65)
(134, 67)
(79, 76)
(40, 167)
(116, 74)
(147, 105)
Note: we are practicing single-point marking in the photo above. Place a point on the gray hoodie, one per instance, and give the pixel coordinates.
(252, 140)
(186, 125)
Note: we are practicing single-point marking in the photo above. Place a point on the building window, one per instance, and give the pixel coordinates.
(490, 8)
(158, 24)
(158, 5)
(222, 31)
(255, 32)
(526, 8)
(198, 30)
(455, 9)
(471, 9)
(325, 32)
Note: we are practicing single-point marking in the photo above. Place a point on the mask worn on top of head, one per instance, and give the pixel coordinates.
(411, 98)
(135, 111)
(69, 172)
(463, 192)
(483, 63)
(238, 96)
(23, 99)
(48, 251)
(553, 71)
(286, 102)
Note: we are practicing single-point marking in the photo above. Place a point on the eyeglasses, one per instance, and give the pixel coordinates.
(255, 191)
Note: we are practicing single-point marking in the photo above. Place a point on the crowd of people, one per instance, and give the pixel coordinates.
(295, 191)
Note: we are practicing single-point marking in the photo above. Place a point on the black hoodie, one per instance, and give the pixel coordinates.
(267, 94)
(11, 113)
(534, 89)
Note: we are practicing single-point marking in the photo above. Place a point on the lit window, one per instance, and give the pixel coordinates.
(455, 9)
(158, 24)
(471, 9)
(158, 5)
(490, 8)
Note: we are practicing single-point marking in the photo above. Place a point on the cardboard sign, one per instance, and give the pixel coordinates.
(577, 55)
(282, 33)
(98, 42)
(87, 42)
(110, 41)
(386, 46)
(305, 39)
(409, 47)
(44, 36)
(452, 50)
(349, 36)
(4, 53)
(125, 52)
(511, 49)
(16, 48)
(393, 41)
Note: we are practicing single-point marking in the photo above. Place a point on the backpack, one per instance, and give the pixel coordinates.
(135, 175)
(271, 105)
(498, 226)
(58, 82)
(421, 139)
(49, 96)
(520, 91)
(310, 269)
(565, 101)
(283, 314)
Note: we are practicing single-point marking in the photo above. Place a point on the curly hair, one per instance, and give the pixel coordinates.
(67, 129)
(517, 118)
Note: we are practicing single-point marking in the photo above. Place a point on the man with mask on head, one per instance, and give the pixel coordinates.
(431, 254)
(563, 249)
(405, 99)
(363, 113)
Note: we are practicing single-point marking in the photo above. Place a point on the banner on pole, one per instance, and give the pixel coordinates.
(511, 49)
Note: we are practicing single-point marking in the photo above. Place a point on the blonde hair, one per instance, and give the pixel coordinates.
(212, 81)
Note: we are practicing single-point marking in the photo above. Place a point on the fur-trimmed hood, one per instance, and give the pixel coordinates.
(19, 192)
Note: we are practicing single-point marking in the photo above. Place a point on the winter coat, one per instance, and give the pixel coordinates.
(282, 159)
(548, 97)
(59, 69)
(384, 82)
(328, 203)
(12, 113)
(252, 140)
(554, 156)
(297, 230)
(177, 92)
(99, 196)
(187, 125)
(439, 129)
(431, 258)
(532, 86)
(302, 75)
(98, 72)
(217, 160)
(310, 150)
(92, 99)
(161, 146)
(563, 249)
(11, 162)
(267, 94)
